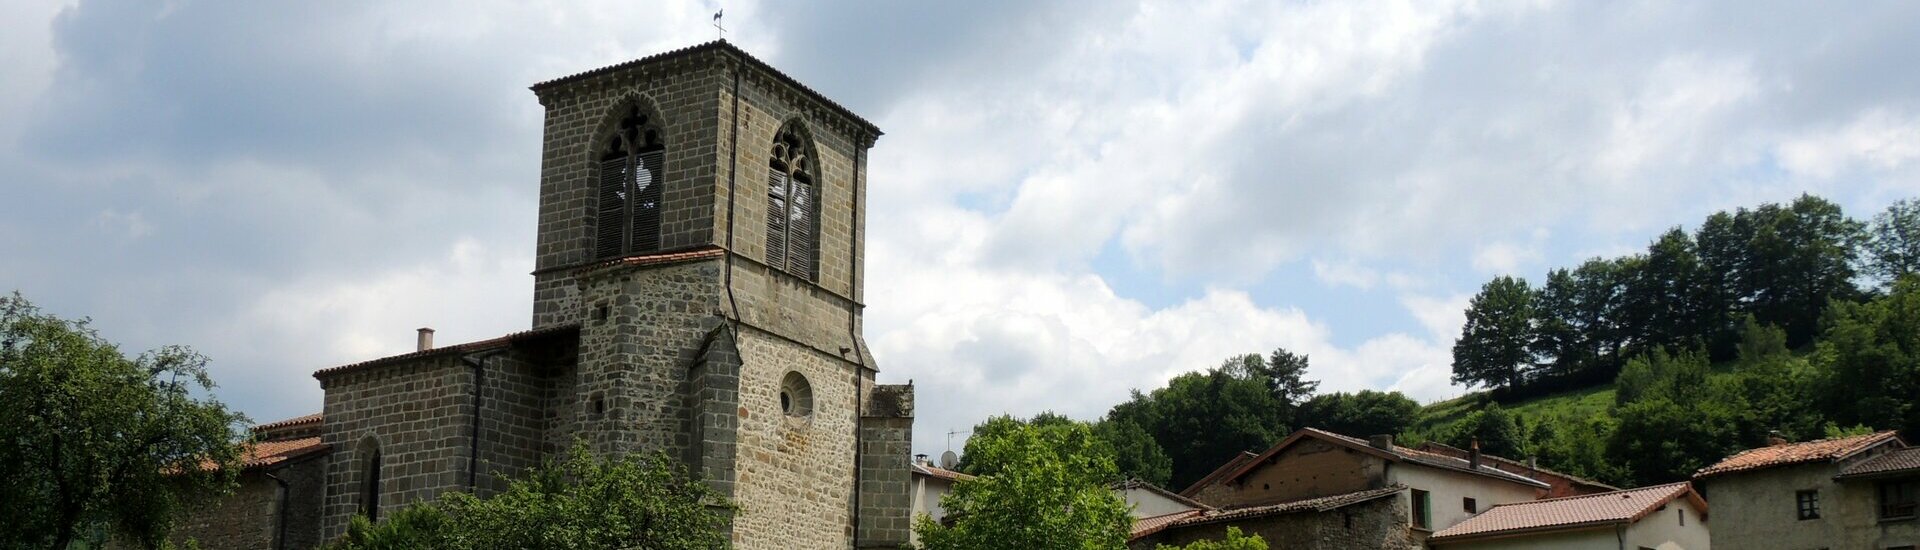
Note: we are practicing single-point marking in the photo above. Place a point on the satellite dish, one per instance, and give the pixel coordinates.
(948, 460)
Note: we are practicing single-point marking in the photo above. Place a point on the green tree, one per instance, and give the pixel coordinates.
(1782, 263)
(996, 426)
(1204, 418)
(1135, 453)
(1893, 248)
(94, 438)
(1494, 428)
(1664, 300)
(1049, 489)
(1870, 355)
(1777, 388)
(1286, 374)
(1673, 419)
(1235, 540)
(583, 501)
(1360, 414)
(1492, 349)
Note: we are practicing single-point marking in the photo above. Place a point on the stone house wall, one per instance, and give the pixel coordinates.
(637, 347)
(1376, 524)
(1757, 509)
(794, 474)
(886, 482)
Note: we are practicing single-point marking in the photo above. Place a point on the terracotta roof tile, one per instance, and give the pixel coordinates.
(1903, 460)
(702, 253)
(1567, 512)
(1150, 525)
(288, 423)
(1201, 517)
(267, 453)
(940, 473)
(468, 347)
(1795, 453)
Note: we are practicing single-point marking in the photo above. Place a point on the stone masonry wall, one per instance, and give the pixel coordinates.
(684, 96)
(244, 519)
(513, 415)
(886, 477)
(417, 414)
(794, 475)
(637, 346)
(1379, 523)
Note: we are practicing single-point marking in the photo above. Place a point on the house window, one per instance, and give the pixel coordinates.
(1471, 506)
(793, 206)
(1809, 504)
(1898, 499)
(1682, 514)
(630, 180)
(1422, 509)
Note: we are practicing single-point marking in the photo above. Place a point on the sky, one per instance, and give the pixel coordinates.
(1072, 199)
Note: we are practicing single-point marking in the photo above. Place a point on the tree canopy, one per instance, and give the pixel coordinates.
(1048, 488)
(584, 501)
(95, 439)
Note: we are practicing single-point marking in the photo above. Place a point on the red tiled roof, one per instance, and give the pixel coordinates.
(1795, 453)
(940, 473)
(1150, 525)
(1155, 524)
(702, 253)
(468, 347)
(1229, 467)
(1570, 512)
(721, 45)
(1397, 454)
(288, 423)
(1901, 461)
(1576, 483)
(267, 453)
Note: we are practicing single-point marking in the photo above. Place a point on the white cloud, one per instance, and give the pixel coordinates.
(1345, 274)
(1879, 139)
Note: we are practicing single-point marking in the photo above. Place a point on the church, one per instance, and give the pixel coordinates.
(697, 291)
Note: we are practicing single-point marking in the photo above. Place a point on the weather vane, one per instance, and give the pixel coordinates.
(716, 24)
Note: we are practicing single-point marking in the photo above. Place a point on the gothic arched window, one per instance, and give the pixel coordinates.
(630, 179)
(793, 206)
(370, 495)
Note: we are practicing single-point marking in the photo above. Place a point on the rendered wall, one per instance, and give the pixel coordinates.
(1447, 488)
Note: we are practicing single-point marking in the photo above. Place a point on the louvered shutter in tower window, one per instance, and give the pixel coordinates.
(647, 198)
(777, 218)
(801, 227)
(610, 225)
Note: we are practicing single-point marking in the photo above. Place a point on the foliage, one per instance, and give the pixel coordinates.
(1495, 431)
(1203, 418)
(95, 438)
(1048, 489)
(1492, 349)
(997, 426)
(1893, 248)
(1135, 453)
(1235, 541)
(584, 501)
(1286, 374)
(1360, 414)
(1870, 357)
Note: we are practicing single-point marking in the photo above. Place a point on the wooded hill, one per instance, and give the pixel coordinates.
(1791, 320)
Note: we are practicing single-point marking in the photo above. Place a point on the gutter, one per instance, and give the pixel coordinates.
(478, 362)
(853, 333)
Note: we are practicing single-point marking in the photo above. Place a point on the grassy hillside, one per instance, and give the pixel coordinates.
(1575, 405)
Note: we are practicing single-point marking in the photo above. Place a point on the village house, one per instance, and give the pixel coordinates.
(930, 484)
(1317, 489)
(1661, 517)
(1850, 492)
(697, 291)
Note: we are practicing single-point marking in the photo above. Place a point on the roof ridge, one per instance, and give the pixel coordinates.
(1593, 495)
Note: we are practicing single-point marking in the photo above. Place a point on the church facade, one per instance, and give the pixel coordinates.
(697, 292)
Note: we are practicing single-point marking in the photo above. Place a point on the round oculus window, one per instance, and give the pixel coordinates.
(796, 396)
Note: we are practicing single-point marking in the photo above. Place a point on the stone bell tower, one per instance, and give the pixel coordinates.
(701, 221)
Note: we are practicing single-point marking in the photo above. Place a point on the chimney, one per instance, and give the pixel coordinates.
(1776, 439)
(922, 460)
(426, 339)
(1383, 442)
(1473, 455)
